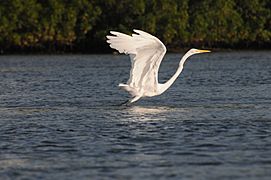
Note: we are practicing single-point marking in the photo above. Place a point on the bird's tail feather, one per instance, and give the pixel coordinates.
(128, 88)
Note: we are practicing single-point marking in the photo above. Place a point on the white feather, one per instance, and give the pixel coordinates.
(146, 53)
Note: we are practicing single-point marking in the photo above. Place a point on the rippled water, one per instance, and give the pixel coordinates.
(59, 119)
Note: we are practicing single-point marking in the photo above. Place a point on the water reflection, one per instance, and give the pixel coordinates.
(146, 113)
(12, 162)
(141, 110)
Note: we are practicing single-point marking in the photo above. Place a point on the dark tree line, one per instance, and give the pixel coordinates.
(81, 25)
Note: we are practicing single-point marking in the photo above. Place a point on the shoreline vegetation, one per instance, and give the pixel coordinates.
(57, 27)
(114, 52)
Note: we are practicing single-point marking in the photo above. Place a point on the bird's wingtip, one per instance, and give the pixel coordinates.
(137, 31)
(113, 32)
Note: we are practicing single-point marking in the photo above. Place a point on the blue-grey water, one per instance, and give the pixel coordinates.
(59, 119)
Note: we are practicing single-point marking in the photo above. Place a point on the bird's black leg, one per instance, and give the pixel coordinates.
(125, 103)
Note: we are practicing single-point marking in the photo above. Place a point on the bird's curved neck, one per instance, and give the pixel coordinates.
(166, 85)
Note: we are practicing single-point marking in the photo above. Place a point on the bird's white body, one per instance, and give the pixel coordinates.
(146, 53)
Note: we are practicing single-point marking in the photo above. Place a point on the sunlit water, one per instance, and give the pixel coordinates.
(60, 119)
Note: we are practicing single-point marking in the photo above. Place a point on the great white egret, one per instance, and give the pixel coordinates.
(146, 53)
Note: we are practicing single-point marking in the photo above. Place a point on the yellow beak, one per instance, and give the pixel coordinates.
(203, 51)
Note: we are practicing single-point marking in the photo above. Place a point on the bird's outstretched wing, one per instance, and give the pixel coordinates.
(146, 53)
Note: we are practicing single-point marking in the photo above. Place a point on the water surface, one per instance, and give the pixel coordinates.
(59, 119)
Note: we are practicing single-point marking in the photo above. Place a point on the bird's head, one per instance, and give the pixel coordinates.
(197, 51)
(190, 53)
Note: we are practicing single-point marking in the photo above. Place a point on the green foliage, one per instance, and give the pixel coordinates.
(45, 23)
(215, 21)
(256, 15)
(83, 24)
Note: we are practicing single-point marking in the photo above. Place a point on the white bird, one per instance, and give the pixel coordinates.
(146, 53)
